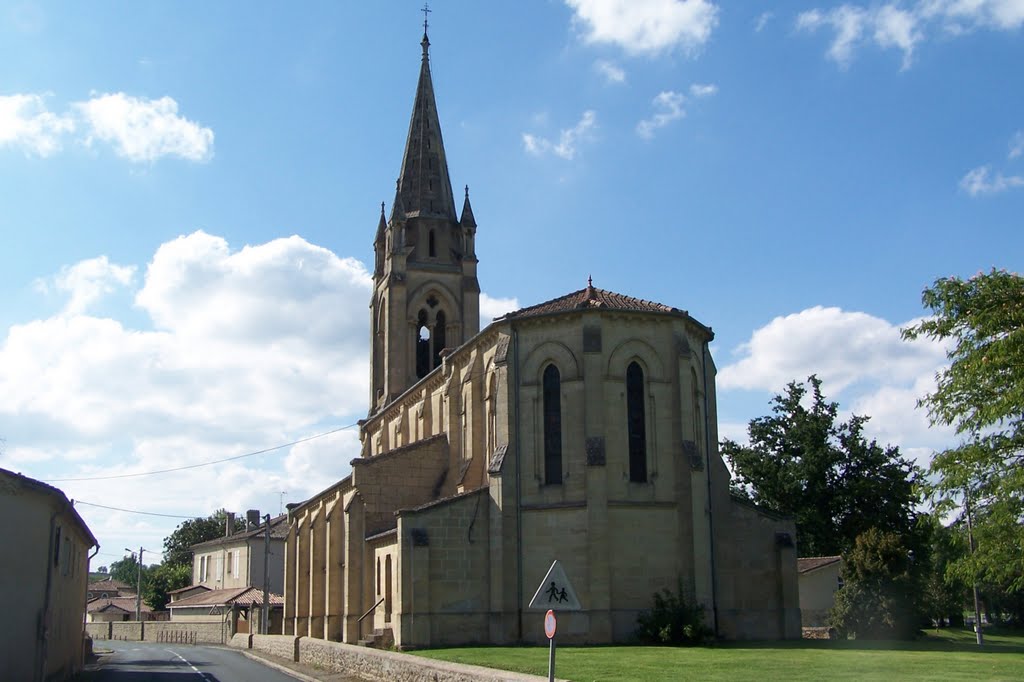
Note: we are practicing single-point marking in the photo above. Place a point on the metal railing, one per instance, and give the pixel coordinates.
(370, 610)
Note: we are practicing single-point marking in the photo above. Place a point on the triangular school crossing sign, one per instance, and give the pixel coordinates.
(555, 592)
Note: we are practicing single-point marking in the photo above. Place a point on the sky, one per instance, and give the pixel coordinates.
(189, 193)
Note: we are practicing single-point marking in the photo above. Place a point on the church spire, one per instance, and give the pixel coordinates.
(424, 184)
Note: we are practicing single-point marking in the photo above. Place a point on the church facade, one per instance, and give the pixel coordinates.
(582, 429)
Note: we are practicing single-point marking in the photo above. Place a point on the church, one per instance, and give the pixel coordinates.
(582, 429)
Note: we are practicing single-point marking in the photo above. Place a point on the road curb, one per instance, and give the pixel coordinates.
(278, 667)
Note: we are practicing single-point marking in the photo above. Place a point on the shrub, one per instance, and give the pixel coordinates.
(672, 621)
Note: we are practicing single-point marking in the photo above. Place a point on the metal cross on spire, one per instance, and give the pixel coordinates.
(426, 10)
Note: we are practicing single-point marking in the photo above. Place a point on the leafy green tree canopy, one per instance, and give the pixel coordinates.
(163, 579)
(981, 394)
(880, 597)
(194, 531)
(835, 482)
(125, 570)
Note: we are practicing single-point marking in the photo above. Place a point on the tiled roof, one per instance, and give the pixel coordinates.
(124, 603)
(187, 588)
(813, 562)
(243, 596)
(109, 585)
(278, 531)
(590, 297)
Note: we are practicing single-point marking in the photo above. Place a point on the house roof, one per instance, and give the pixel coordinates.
(243, 596)
(591, 297)
(278, 531)
(46, 489)
(110, 585)
(811, 563)
(189, 587)
(126, 604)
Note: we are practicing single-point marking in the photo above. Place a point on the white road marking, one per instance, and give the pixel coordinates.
(183, 660)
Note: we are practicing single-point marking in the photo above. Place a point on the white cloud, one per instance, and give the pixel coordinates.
(668, 107)
(491, 308)
(88, 281)
(840, 347)
(568, 138)
(863, 364)
(1016, 145)
(703, 90)
(145, 129)
(646, 26)
(229, 351)
(26, 123)
(904, 25)
(611, 72)
(981, 181)
(762, 21)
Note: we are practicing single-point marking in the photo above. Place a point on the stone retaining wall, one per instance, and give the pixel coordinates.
(374, 664)
(155, 631)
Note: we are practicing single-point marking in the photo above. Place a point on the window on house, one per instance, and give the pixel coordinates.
(552, 426)
(636, 423)
(56, 547)
(230, 556)
(220, 569)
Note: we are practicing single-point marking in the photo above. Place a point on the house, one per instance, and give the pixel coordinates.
(115, 609)
(236, 559)
(582, 429)
(109, 588)
(46, 564)
(819, 578)
(237, 609)
(187, 591)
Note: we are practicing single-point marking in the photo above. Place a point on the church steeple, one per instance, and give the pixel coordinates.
(426, 296)
(424, 185)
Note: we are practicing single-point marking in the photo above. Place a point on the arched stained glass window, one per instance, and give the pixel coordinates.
(636, 423)
(552, 426)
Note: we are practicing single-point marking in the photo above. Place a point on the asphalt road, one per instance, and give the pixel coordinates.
(156, 662)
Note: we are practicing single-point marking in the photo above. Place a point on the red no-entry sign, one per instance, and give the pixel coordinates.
(549, 624)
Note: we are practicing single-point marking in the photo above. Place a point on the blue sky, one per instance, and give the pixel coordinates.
(190, 191)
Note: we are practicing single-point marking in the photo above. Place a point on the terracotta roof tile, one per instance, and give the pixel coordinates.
(805, 564)
(123, 603)
(245, 596)
(590, 297)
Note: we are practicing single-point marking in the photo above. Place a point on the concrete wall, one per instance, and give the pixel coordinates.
(818, 594)
(44, 539)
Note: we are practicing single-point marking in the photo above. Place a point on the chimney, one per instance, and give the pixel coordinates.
(252, 519)
(229, 525)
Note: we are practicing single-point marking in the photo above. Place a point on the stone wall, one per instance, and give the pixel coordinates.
(282, 646)
(406, 477)
(374, 664)
(133, 631)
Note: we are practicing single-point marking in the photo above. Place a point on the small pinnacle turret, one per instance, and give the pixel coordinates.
(467, 219)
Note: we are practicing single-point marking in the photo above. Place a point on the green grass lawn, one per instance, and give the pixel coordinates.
(940, 655)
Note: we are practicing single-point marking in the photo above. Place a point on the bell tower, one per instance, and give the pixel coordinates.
(426, 297)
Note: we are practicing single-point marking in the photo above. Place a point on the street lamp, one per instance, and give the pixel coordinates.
(138, 586)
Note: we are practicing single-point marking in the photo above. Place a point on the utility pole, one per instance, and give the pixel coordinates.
(138, 586)
(264, 625)
(974, 583)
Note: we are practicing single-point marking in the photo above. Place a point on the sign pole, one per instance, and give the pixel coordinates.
(551, 660)
(549, 630)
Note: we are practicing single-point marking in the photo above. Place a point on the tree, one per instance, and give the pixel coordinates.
(827, 475)
(126, 570)
(163, 579)
(101, 569)
(194, 531)
(981, 394)
(880, 594)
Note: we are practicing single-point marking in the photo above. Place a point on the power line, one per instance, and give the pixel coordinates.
(204, 464)
(133, 511)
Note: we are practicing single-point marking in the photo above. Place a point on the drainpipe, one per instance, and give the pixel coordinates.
(711, 520)
(85, 609)
(519, 485)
